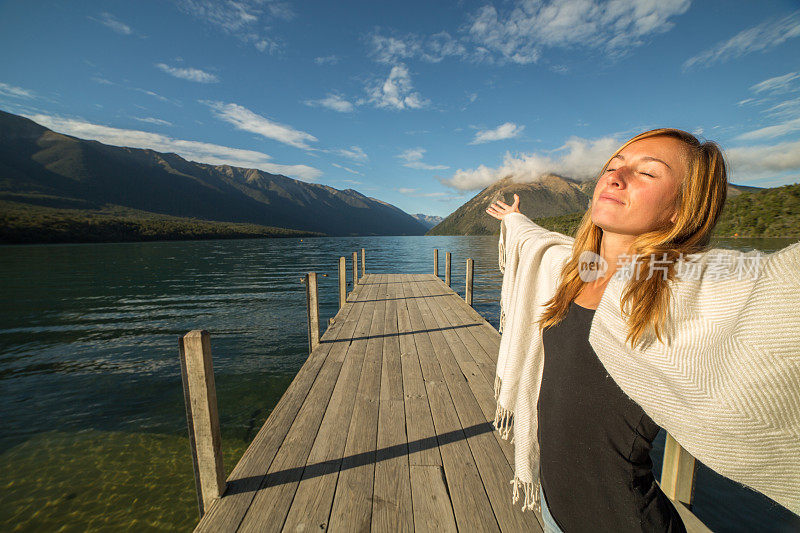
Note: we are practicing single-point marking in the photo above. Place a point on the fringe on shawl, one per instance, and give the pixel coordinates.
(503, 422)
(533, 500)
(503, 418)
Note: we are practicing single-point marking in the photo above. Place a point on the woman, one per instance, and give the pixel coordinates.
(583, 436)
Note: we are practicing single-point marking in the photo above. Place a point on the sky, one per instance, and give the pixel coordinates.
(419, 104)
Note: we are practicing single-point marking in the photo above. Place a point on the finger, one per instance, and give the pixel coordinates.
(516, 200)
(501, 203)
(494, 213)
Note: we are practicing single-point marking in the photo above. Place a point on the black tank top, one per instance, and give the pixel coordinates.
(595, 441)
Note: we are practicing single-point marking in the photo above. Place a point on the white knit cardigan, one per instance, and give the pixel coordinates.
(726, 386)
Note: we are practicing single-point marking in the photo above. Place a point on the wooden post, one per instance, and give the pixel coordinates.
(355, 270)
(202, 417)
(312, 310)
(342, 282)
(363, 263)
(436, 262)
(677, 472)
(470, 274)
(447, 269)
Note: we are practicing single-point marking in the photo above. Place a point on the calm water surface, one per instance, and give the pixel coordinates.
(92, 423)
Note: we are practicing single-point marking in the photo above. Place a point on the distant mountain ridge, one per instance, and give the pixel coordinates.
(551, 196)
(428, 220)
(37, 163)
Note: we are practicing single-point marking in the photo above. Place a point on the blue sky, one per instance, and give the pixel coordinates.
(420, 104)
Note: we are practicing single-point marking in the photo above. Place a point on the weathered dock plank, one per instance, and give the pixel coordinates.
(386, 427)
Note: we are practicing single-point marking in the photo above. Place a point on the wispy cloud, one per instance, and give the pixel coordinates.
(396, 91)
(332, 101)
(326, 60)
(787, 111)
(188, 73)
(503, 131)
(355, 153)
(760, 38)
(577, 158)
(247, 20)
(778, 84)
(15, 92)
(244, 119)
(391, 49)
(520, 35)
(413, 159)
(523, 32)
(110, 21)
(770, 132)
(202, 152)
(419, 194)
(152, 120)
(350, 170)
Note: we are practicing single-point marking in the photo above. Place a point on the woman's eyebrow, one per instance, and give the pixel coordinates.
(646, 158)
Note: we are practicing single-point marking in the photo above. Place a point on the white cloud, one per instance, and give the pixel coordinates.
(186, 73)
(246, 120)
(396, 48)
(413, 159)
(771, 132)
(520, 35)
(396, 92)
(503, 131)
(326, 60)
(355, 153)
(152, 120)
(578, 158)
(778, 84)
(247, 20)
(202, 152)
(334, 102)
(749, 162)
(785, 109)
(760, 38)
(15, 92)
(350, 170)
(110, 21)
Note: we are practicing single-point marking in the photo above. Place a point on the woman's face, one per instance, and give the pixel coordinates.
(645, 178)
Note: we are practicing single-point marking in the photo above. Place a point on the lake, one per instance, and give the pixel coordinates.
(94, 429)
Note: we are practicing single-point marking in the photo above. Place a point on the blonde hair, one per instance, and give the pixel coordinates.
(701, 197)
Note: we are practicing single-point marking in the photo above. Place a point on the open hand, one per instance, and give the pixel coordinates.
(500, 209)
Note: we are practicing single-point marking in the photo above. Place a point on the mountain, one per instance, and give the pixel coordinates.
(428, 220)
(552, 196)
(41, 167)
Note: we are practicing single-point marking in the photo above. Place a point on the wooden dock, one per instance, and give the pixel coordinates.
(386, 427)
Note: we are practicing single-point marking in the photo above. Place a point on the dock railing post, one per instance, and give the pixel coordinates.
(363, 263)
(202, 417)
(677, 472)
(342, 281)
(355, 270)
(312, 310)
(436, 262)
(470, 275)
(447, 269)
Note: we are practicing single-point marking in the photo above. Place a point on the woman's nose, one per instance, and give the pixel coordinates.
(618, 176)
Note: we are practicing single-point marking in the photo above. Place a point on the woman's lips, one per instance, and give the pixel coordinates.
(610, 199)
